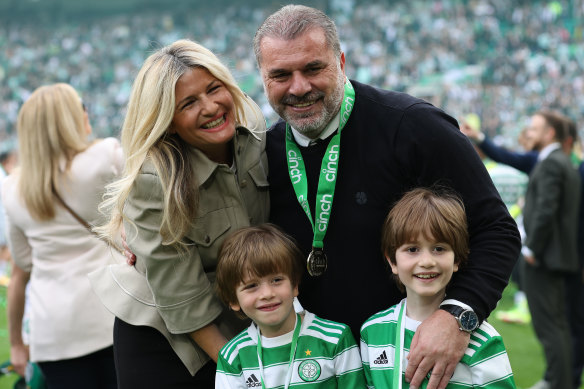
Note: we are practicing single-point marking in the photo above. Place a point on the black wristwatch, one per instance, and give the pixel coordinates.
(467, 319)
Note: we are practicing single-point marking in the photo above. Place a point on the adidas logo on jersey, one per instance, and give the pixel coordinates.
(381, 359)
(253, 382)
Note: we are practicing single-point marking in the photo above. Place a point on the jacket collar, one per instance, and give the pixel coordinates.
(546, 151)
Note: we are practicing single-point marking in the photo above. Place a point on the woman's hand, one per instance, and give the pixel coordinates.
(19, 357)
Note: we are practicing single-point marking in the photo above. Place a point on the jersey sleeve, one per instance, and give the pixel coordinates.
(348, 365)
(229, 376)
(364, 346)
(490, 367)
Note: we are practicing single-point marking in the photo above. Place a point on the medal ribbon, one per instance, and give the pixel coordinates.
(328, 172)
(295, 335)
(399, 348)
(399, 351)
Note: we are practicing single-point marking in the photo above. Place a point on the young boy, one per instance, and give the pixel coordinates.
(258, 273)
(425, 240)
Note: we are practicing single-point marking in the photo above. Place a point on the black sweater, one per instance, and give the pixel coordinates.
(391, 143)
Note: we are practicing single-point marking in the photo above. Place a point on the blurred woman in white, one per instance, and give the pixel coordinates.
(70, 330)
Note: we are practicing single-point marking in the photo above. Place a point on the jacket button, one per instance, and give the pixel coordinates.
(207, 239)
(243, 183)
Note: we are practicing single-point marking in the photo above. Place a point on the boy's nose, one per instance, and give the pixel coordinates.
(266, 291)
(427, 259)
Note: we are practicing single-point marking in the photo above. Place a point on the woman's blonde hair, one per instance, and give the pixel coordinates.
(145, 136)
(51, 131)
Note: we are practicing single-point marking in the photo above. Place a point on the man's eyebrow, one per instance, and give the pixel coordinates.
(315, 63)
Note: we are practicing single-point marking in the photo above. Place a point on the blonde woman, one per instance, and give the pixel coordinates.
(195, 171)
(70, 330)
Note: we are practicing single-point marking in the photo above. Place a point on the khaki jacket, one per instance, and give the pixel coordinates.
(175, 293)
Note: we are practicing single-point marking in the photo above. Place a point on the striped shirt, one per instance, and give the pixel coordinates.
(484, 365)
(327, 356)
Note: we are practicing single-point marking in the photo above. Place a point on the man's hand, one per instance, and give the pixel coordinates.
(438, 344)
(19, 358)
(475, 136)
(530, 259)
(130, 257)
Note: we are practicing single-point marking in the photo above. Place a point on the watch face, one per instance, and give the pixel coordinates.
(469, 320)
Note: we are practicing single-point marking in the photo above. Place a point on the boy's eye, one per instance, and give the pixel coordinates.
(441, 248)
(412, 249)
(278, 279)
(251, 285)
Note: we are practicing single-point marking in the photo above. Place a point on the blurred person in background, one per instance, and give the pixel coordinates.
(8, 161)
(526, 161)
(70, 330)
(195, 171)
(550, 249)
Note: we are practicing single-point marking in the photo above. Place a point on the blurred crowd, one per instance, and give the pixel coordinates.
(499, 59)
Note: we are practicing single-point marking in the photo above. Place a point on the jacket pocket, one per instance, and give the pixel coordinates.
(209, 227)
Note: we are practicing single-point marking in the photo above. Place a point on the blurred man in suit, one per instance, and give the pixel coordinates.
(551, 224)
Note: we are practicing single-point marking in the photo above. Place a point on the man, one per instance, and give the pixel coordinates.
(550, 251)
(391, 142)
(574, 282)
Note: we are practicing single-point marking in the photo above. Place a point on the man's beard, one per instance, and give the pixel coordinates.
(312, 124)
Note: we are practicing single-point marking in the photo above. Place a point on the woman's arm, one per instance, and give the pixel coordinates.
(15, 309)
(210, 339)
(182, 292)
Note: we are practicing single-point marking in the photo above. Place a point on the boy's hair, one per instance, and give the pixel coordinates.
(437, 211)
(257, 251)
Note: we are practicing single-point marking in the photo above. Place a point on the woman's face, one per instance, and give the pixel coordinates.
(204, 114)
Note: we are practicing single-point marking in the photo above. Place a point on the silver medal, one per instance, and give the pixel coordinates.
(316, 263)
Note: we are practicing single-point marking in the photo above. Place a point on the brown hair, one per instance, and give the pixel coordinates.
(438, 211)
(257, 251)
(558, 122)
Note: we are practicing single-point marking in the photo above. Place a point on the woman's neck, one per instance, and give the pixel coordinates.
(221, 154)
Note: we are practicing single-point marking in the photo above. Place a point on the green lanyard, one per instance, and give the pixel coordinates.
(399, 348)
(328, 172)
(295, 335)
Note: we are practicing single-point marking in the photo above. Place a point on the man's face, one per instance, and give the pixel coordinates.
(303, 80)
(539, 133)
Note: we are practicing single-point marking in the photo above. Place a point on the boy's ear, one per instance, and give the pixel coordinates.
(455, 268)
(295, 291)
(393, 267)
(235, 307)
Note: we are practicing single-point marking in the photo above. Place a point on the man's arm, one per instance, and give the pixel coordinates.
(523, 162)
(434, 151)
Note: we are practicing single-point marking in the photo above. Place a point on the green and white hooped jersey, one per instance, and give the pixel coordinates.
(485, 363)
(327, 356)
